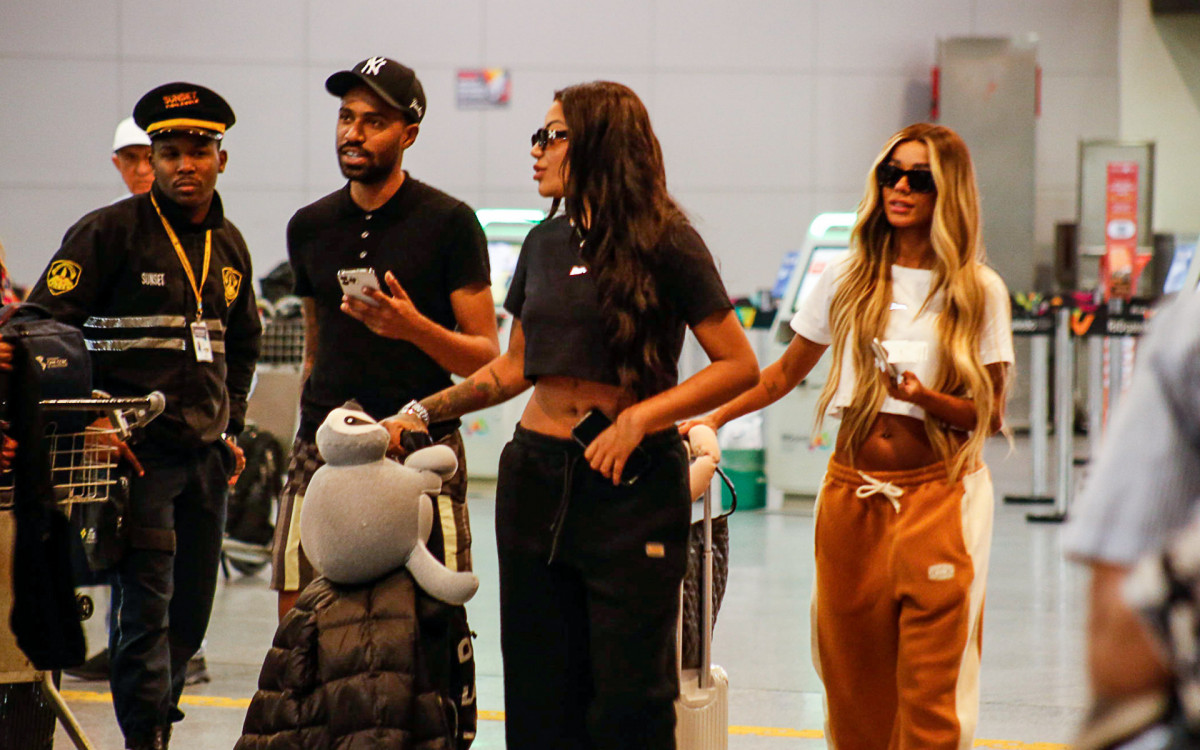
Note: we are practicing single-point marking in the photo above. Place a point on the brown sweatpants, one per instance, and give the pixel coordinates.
(898, 605)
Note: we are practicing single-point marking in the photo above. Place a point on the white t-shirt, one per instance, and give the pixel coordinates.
(911, 338)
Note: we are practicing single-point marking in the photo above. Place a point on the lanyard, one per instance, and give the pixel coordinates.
(187, 266)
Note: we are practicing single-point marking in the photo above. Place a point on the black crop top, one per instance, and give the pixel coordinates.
(554, 296)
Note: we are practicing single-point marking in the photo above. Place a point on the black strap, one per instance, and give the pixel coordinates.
(560, 517)
(157, 540)
(13, 309)
(732, 494)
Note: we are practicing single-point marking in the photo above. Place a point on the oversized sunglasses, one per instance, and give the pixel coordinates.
(543, 136)
(919, 180)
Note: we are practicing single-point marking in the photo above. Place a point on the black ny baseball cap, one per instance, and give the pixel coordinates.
(183, 108)
(395, 83)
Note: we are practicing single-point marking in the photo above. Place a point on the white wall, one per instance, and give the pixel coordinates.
(769, 111)
(1160, 101)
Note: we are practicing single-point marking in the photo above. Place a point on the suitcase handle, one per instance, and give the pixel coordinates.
(706, 595)
(706, 585)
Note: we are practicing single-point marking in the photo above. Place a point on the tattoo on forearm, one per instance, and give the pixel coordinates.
(469, 395)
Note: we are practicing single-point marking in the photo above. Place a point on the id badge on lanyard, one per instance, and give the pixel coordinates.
(201, 343)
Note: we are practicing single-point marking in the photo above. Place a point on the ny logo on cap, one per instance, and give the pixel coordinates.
(416, 107)
(371, 67)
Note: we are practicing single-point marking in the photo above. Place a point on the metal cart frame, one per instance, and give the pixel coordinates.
(83, 470)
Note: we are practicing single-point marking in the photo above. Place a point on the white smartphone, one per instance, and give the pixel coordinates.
(881, 360)
(353, 280)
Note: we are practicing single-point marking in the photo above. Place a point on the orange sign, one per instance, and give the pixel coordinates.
(1081, 323)
(1122, 264)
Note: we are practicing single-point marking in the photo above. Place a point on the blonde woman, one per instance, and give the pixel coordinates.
(904, 518)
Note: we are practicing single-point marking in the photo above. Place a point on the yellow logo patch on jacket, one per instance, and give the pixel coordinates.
(233, 283)
(63, 276)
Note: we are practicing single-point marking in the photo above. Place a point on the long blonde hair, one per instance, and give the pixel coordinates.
(859, 309)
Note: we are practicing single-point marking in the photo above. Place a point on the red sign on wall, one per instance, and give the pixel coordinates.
(1122, 264)
(483, 88)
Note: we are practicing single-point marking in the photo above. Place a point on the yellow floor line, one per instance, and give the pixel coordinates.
(215, 701)
(209, 701)
(1013, 745)
(804, 734)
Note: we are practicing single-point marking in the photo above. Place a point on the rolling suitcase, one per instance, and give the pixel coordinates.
(702, 708)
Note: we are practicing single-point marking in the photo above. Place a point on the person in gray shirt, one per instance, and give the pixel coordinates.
(1144, 487)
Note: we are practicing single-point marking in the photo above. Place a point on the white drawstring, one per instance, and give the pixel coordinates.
(873, 486)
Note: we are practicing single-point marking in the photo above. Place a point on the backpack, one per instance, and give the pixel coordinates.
(278, 282)
(250, 513)
(55, 356)
(50, 361)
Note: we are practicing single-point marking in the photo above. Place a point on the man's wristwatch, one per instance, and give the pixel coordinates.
(414, 407)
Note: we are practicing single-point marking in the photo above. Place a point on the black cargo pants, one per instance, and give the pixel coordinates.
(589, 595)
(162, 590)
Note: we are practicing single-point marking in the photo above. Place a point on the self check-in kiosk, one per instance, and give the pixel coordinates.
(795, 458)
(485, 432)
(1191, 281)
(1183, 269)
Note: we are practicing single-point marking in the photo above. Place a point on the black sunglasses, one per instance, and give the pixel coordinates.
(543, 136)
(919, 180)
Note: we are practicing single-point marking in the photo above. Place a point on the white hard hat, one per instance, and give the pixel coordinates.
(129, 134)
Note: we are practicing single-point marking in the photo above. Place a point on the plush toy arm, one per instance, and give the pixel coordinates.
(700, 475)
(702, 441)
(705, 453)
(439, 459)
(437, 463)
(439, 581)
(425, 515)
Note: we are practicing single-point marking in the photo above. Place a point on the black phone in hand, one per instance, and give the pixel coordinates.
(596, 422)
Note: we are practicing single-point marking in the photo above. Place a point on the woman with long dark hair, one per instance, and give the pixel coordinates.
(591, 557)
(904, 515)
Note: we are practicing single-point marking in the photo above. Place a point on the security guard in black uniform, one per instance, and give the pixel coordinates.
(160, 284)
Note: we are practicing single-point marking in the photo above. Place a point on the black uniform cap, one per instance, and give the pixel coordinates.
(183, 108)
(395, 83)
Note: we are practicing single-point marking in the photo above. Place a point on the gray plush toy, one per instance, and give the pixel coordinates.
(365, 515)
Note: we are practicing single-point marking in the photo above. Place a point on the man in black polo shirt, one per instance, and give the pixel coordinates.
(429, 252)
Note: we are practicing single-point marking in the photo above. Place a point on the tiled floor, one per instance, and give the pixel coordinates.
(1033, 684)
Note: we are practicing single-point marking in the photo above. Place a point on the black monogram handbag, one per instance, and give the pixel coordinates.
(692, 594)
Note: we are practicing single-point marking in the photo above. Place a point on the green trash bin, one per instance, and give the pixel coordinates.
(744, 467)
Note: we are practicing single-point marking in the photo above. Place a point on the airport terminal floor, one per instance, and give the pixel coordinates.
(1033, 684)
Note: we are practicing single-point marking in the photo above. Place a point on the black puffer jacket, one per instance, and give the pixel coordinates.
(345, 672)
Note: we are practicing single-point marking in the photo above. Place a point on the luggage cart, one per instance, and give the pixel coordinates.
(83, 467)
